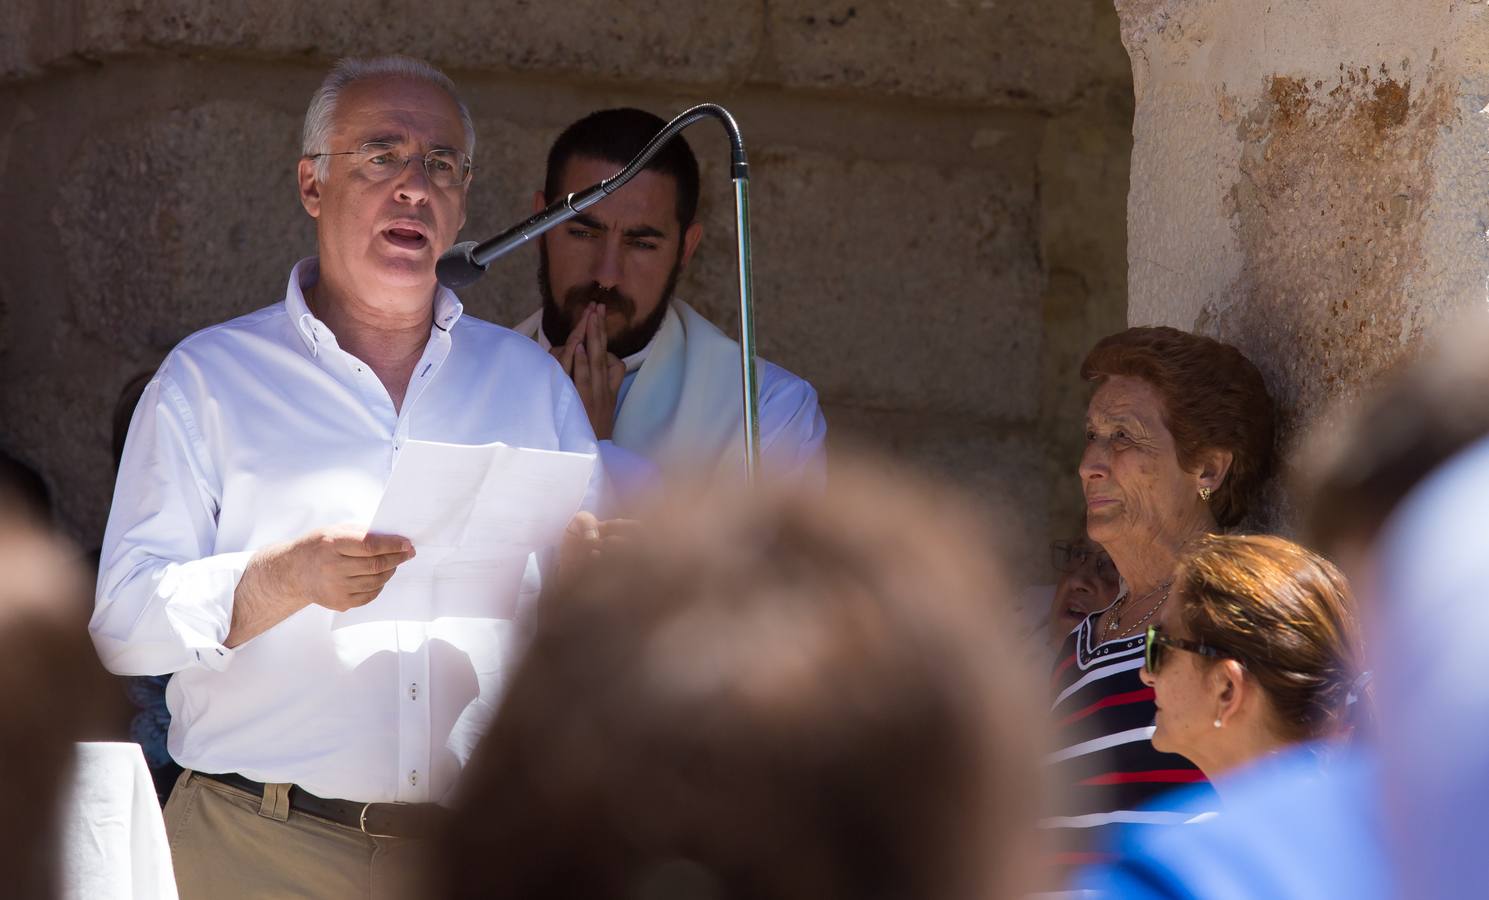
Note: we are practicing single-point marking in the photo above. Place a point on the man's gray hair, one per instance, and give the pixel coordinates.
(320, 118)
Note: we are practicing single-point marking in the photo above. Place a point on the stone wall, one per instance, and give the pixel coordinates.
(1310, 181)
(938, 197)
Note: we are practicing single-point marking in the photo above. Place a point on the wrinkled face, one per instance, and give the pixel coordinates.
(1135, 489)
(1089, 587)
(387, 234)
(1183, 693)
(624, 253)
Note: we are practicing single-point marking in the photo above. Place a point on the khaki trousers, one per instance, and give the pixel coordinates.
(228, 844)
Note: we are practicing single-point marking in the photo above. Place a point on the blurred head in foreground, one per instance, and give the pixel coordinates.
(769, 695)
(1398, 499)
(56, 694)
(1358, 471)
(24, 497)
(1260, 649)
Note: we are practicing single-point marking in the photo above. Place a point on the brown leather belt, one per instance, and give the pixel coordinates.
(396, 820)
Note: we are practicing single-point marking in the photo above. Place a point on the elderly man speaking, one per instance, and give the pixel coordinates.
(316, 750)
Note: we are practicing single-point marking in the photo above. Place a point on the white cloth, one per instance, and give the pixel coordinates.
(113, 841)
(257, 431)
(684, 410)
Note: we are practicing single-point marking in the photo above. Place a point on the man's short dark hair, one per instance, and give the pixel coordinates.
(616, 136)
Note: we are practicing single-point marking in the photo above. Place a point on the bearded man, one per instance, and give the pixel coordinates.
(661, 384)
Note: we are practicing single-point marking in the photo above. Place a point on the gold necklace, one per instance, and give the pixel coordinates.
(1111, 625)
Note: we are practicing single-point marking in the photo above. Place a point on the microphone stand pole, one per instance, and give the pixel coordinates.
(465, 262)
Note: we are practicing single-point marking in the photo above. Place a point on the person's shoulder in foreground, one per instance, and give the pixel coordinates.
(1291, 829)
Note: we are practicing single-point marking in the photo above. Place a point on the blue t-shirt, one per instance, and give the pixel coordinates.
(1290, 828)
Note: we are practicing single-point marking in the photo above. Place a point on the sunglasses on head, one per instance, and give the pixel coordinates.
(1158, 643)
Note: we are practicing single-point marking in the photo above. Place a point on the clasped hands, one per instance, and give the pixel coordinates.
(597, 373)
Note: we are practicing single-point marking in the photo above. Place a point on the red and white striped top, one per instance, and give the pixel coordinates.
(1106, 773)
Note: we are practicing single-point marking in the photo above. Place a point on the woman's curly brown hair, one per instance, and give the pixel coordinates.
(1213, 398)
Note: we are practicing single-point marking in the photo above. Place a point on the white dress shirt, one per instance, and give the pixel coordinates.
(262, 429)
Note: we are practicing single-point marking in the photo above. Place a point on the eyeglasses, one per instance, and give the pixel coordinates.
(377, 162)
(1069, 556)
(1158, 642)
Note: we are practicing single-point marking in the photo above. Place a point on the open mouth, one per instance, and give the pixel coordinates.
(408, 238)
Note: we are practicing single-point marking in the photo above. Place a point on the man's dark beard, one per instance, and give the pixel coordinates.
(559, 320)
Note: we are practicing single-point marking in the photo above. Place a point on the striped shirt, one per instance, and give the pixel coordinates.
(1106, 773)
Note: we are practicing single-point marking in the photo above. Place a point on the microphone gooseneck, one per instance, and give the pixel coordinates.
(464, 263)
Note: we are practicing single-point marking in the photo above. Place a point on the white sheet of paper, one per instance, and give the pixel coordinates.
(474, 514)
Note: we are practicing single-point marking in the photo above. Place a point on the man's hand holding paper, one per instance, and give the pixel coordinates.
(340, 568)
(476, 513)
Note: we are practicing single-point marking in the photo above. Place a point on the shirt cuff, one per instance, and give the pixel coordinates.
(199, 604)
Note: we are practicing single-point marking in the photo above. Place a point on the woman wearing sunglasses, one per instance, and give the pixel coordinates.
(1259, 649)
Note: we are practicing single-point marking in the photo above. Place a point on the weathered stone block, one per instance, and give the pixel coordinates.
(180, 220)
(671, 40)
(32, 34)
(58, 422)
(1331, 236)
(1023, 54)
(1083, 183)
(995, 466)
(944, 254)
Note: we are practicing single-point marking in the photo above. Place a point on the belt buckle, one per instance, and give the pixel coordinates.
(362, 821)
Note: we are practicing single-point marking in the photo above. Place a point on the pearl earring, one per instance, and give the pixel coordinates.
(1217, 721)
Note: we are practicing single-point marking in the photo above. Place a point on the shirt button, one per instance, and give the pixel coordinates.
(413, 691)
(413, 778)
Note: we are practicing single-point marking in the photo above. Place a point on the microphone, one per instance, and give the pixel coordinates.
(464, 263)
(457, 268)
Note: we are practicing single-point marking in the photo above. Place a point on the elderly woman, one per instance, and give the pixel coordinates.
(1178, 442)
(1258, 649)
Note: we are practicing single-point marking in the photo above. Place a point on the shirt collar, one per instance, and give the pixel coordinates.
(305, 273)
(447, 307)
